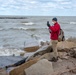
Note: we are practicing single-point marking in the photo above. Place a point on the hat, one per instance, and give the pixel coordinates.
(54, 19)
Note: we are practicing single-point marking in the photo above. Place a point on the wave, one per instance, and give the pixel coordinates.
(19, 28)
(28, 23)
(24, 28)
(10, 52)
(72, 22)
(66, 22)
(1, 29)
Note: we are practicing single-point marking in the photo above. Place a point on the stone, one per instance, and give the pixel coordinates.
(72, 39)
(22, 53)
(41, 51)
(72, 53)
(47, 56)
(62, 54)
(42, 67)
(74, 71)
(20, 69)
(65, 45)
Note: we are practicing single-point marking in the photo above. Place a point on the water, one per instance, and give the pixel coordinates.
(14, 32)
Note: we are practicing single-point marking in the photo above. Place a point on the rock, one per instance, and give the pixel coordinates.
(47, 56)
(44, 43)
(31, 49)
(3, 72)
(20, 69)
(65, 45)
(71, 39)
(42, 67)
(62, 54)
(74, 71)
(41, 51)
(72, 53)
(22, 53)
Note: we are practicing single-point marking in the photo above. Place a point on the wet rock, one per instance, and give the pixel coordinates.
(42, 67)
(22, 53)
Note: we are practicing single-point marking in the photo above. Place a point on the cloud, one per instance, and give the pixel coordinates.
(36, 5)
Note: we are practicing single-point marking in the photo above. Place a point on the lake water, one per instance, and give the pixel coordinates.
(19, 32)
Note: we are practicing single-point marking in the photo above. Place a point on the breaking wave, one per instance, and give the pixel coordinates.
(24, 28)
(28, 23)
(10, 52)
(19, 28)
(72, 22)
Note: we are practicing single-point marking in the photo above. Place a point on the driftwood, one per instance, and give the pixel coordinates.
(31, 49)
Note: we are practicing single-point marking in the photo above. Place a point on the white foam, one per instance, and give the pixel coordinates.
(72, 22)
(10, 52)
(20, 28)
(29, 23)
(23, 28)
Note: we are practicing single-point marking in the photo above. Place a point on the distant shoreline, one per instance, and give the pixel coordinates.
(25, 17)
(12, 17)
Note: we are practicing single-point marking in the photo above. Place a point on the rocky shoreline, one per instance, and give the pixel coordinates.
(38, 61)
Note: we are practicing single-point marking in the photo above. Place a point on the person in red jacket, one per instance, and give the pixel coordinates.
(54, 34)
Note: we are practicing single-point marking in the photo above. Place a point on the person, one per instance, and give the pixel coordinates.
(54, 34)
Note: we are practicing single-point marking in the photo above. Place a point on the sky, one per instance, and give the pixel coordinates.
(38, 7)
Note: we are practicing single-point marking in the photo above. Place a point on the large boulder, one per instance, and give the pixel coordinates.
(42, 67)
(20, 69)
(65, 45)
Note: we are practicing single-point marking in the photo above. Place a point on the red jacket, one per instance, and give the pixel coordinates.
(54, 31)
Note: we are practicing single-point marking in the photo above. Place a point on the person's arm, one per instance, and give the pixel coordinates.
(53, 28)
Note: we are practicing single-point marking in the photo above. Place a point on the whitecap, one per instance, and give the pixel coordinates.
(29, 23)
(19, 28)
(72, 22)
(10, 52)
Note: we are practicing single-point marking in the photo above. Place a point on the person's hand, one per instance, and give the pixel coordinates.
(48, 24)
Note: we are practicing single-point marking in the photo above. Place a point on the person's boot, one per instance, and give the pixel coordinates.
(54, 59)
